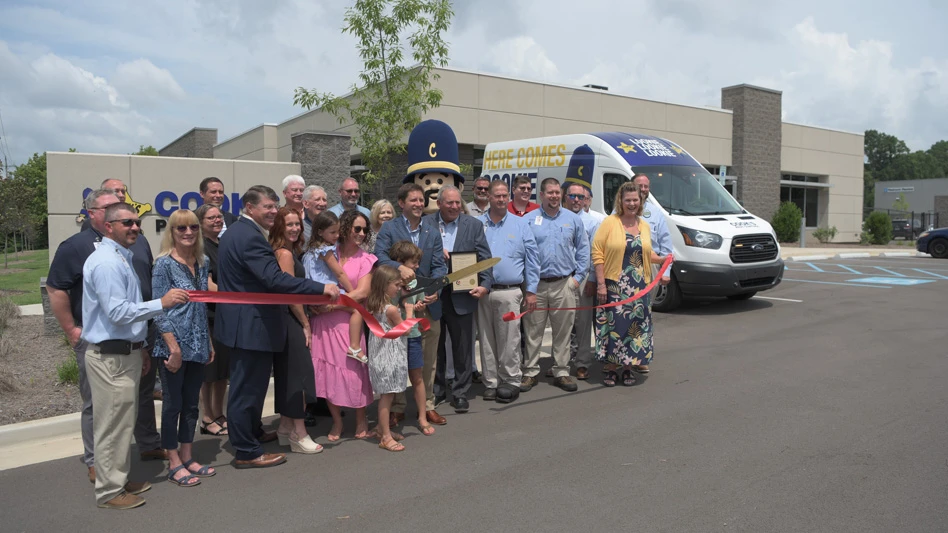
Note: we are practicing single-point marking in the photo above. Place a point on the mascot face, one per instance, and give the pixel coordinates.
(432, 183)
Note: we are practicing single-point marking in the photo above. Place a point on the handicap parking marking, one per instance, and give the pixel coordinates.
(887, 271)
(853, 270)
(814, 267)
(903, 281)
(930, 273)
(838, 283)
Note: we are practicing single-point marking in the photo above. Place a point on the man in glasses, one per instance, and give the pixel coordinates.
(212, 192)
(64, 285)
(521, 191)
(348, 198)
(481, 203)
(115, 315)
(581, 351)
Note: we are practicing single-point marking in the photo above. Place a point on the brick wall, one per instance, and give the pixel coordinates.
(755, 146)
(198, 142)
(324, 160)
(941, 208)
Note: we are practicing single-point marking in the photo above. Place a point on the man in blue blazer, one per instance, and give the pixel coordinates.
(246, 263)
(424, 233)
(460, 233)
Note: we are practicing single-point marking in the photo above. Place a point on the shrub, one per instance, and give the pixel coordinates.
(879, 227)
(786, 222)
(825, 235)
(68, 371)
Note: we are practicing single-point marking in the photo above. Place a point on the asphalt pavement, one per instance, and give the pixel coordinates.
(817, 406)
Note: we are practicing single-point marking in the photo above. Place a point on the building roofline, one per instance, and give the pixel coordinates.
(823, 128)
(185, 134)
(749, 86)
(232, 137)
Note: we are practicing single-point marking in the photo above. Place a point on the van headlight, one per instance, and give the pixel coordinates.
(700, 239)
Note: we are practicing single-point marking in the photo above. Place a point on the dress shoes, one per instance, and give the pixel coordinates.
(490, 395)
(476, 377)
(92, 475)
(137, 487)
(123, 501)
(507, 393)
(268, 436)
(264, 461)
(460, 405)
(440, 399)
(435, 418)
(154, 455)
(566, 383)
(582, 373)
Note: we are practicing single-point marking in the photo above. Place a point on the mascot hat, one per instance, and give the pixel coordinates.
(433, 147)
(581, 166)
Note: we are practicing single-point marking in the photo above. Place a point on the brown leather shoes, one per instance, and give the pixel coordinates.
(123, 501)
(395, 419)
(267, 436)
(565, 383)
(264, 461)
(137, 487)
(582, 373)
(435, 418)
(154, 455)
(92, 475)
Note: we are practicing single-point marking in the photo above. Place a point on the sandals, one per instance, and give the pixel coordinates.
(426, 429)
(627, 378)
(392, 446)
(610, 378)
(357, 355)
(186, 481)
(221, 424)
(204, 471)
(641, 369)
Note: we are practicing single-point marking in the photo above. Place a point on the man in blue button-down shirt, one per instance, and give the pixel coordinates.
(114, 321)
(581, 350)
(564, 262)
(510, 239)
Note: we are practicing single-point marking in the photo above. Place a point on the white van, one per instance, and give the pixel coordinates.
(720, 249)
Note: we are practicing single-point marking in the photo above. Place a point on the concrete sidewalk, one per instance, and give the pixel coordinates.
(792, 253)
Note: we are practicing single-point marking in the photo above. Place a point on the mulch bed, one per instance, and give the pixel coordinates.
(29, 364)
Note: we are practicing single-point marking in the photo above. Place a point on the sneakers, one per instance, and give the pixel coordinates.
(123, 501)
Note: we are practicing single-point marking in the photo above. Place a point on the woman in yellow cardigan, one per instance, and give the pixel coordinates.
(623, 333)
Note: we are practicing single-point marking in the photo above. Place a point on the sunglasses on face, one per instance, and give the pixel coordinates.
(351, 191)
(576, 196)
(127, 222)
(481, 188)
(360, 229)
(183, 228)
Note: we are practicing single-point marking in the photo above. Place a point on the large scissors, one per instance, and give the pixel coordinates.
(430, 286)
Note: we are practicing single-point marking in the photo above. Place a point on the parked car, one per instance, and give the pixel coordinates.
(907, 229)
(934, 242)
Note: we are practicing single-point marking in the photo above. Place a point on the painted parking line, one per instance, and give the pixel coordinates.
(853, 270)
(838, 283)
(841, 273)
(903, 281)
(814, 267)
(886, 270)
(777, 299)
(930, 273)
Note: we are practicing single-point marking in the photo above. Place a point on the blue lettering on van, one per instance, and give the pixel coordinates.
(508, 178)
(645, 150)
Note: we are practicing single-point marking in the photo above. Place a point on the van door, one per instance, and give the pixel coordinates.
(611, 181)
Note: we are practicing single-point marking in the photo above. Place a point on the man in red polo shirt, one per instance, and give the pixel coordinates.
(521, 204)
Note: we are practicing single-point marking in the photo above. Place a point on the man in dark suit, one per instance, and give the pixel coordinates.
(424, 234)
(246, 263)
(460, 233)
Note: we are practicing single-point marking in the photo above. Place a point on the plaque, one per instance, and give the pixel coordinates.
(463, 260)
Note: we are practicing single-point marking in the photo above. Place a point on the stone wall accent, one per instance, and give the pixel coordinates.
(324, 159)
(755, 146)
(198, 142)
(941, 209)
(50, 324)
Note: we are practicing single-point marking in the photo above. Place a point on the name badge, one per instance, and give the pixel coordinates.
(539, 220)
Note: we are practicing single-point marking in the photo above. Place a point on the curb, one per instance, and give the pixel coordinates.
(854, 255)
(808, 258)
(897, 254)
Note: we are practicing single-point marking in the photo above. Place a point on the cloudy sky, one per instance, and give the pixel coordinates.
(108, 76)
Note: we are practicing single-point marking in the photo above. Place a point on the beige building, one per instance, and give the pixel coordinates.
(765, 159)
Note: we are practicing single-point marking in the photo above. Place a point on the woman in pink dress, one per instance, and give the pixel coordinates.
(344, 381)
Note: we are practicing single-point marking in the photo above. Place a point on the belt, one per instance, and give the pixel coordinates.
(556, 278)
(498, 287)
(117, 347)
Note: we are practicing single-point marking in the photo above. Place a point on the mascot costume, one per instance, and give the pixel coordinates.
(433, 160)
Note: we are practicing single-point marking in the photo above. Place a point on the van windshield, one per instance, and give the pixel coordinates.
(687, 190)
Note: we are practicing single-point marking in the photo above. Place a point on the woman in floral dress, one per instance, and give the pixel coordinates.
(619, 249)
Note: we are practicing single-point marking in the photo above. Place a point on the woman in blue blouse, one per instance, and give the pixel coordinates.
(183, 346)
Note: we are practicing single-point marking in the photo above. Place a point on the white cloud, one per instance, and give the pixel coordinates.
(522, 57)
(142, 83)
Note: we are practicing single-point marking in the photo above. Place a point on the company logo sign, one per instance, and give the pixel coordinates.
(167, 202)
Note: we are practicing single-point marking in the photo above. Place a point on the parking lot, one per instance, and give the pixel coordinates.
(817, 406)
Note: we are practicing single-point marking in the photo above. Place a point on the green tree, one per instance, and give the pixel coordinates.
(939, 151)
(33, 175)
(15, 213)
(914, 166)
(146, 150)
(394, 93)
(881, 149)
(900, 203)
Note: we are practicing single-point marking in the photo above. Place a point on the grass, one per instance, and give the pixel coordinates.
(20, 280)
(68, 371)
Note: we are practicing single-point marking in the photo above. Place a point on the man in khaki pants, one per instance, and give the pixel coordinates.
(564, 261)
(114, 326)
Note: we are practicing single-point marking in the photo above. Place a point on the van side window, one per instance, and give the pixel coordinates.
(610, 186)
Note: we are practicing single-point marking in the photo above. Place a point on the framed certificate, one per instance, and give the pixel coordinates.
(462, 260)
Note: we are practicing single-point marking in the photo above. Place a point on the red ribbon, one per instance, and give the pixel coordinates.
(648, 288)
(259, 298)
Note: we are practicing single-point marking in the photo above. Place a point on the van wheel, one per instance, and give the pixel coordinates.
(666, 298)
(938, 248)
(740, 297)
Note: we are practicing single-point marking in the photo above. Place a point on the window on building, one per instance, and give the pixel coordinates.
(807, 198)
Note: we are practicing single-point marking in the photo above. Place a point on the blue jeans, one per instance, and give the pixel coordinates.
(179, 409)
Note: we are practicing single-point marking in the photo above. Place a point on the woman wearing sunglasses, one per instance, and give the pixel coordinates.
(183, 346)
